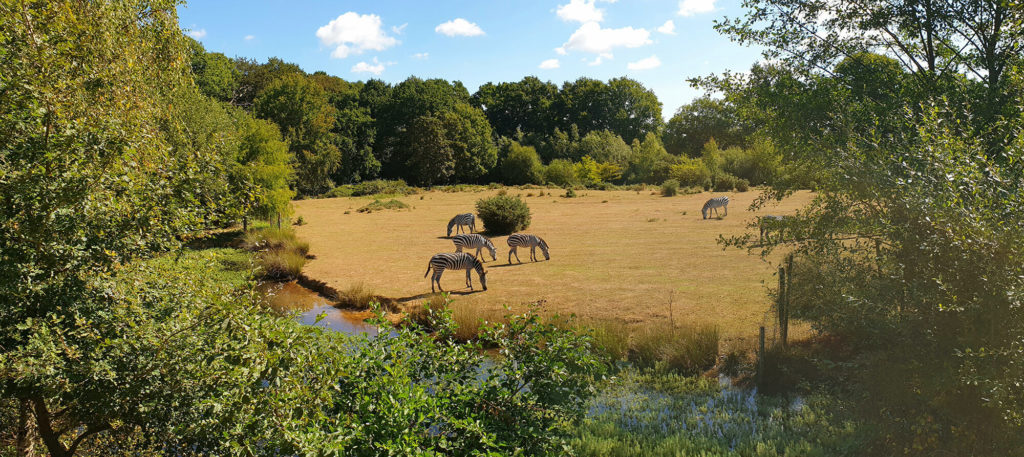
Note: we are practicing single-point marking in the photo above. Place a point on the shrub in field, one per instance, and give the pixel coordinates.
(379, 205)
(560, 172)
(503, 214)
(685, 350)
(522, 166)
(691, 173)
(724, 182)
(569, 193)
(669, 188)
(742, 185)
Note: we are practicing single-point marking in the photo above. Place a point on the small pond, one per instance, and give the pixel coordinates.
(290, 297)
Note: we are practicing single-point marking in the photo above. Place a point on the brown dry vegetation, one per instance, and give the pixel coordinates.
(607, 261)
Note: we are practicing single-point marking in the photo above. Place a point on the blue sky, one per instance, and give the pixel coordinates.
(660, 43)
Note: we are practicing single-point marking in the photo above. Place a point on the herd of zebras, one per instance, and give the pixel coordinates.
(459, 260)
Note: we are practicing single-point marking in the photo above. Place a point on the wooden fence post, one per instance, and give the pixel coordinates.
(760, 357)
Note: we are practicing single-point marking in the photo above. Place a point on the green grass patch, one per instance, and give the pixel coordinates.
(686, 349)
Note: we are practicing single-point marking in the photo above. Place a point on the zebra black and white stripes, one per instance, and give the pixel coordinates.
(455, 261)
(474, 241)
(465, 219)
(517, 240)
(714, 204)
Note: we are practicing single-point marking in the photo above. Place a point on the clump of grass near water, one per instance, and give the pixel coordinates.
(279, 253)
(359, 296)
(688, 350)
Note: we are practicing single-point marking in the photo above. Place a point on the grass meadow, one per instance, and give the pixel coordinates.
(632, 257)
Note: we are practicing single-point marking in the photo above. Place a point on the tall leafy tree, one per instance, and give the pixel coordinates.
(701, 120)
(522, 106)
(300, 108)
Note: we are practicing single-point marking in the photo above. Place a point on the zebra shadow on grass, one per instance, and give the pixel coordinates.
(463, 291)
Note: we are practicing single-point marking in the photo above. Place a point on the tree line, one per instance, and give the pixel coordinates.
(432, 131)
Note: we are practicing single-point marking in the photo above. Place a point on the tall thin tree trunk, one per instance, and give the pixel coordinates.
(24, 444)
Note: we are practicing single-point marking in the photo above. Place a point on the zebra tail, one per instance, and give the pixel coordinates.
(428, 270)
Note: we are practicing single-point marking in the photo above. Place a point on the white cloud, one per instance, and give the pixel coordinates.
(197, 34)
(459, 27)
(549, 64)
(580, 11)
(353, 34)
(645, 64)
(560, 50)
(421, 55)
(249, 37)
(692, 7)
(590, 37)
(598, 60)
(668, 28)
(399, 29)
(362, 67)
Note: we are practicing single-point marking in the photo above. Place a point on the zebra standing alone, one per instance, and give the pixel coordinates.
(474, 241)
(517, 240)
(467, 219)
(455, 261)
(714, 204)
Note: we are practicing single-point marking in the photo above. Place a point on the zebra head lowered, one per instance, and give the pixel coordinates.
(467, 219)
(713, 204)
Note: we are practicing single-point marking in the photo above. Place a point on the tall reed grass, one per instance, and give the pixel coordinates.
(279, 253)
(686, 349)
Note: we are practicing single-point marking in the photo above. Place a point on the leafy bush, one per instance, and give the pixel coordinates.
(669, 188)
(685, 350)
(374, 187)
(725, 182)
(273, 239)
(522, 165)
(569, 193)
(758, 164)
(742, 185)
(587, 172)
(503, 214)
(692, 173)
(560, 172)
(378, 205)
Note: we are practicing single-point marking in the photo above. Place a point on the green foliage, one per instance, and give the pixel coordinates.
(692, 173)
(451, 145)
(650, 163)
(375, 187)
(622, 106)
(521, 165)
(380, 205)
(503, 214)
(215, 74)
(586, 172)
(654, 414)
(702, 120)
(669, 188)
(605, 147)
(300, 108)
(516, 107)
(263, 165)
(759, 164)
(560, 173)
(725, 182)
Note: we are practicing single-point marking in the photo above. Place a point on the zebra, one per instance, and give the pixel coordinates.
(714, 204)
(517, 240)
(768, 223)
(455, 261)
(474, 241)
(467, 219)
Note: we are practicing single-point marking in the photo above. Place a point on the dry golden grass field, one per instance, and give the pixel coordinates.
(615, 255)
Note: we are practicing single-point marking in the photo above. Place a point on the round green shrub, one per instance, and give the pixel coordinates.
(669, 188)
(724, 183)
(503, 214)
(742, 185)
(560, 172)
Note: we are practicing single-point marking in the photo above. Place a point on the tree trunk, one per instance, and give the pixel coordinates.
(245, 224)
(24, 444)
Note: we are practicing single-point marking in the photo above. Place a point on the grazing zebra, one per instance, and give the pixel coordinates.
(455, 261)
(474, 241)
(517, 240)
(714, 204)
(467, 219)
(768, 223)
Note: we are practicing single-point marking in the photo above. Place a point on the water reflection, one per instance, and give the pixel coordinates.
(291, 297)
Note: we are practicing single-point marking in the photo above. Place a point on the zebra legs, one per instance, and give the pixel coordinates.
(436, 278)
(469, 278)
(513, 251)
(533, 253)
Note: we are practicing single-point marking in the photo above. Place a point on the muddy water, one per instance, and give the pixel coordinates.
(291, 297)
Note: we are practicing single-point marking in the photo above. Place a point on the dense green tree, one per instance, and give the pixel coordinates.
(701, 120)
(606, 147)
(353, 131)
(521, 165)
(650, 162)
(622, 106)
(215, 74)
(254, 77)
(263, 168)
(469, 135)
(301, 109)
(523, 106)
